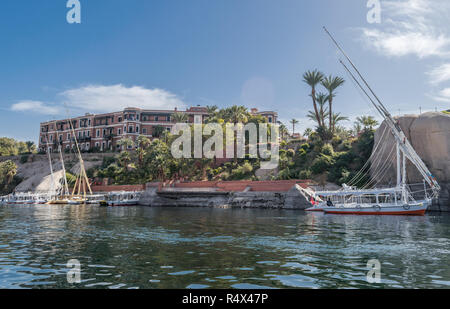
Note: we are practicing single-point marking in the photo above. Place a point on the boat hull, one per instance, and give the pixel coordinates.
(406, 210)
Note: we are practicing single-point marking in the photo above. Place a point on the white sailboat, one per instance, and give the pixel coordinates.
(398, 200)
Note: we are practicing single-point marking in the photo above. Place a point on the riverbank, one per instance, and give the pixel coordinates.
(293, 194)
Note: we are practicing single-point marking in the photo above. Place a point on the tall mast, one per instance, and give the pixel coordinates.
(407, 149)
(53, 187)
(66, 185)
(82, 180)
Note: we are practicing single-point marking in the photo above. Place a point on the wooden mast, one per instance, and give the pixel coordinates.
(82, 179)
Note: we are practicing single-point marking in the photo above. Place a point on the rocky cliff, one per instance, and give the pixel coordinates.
(36, 171)
(429, 134)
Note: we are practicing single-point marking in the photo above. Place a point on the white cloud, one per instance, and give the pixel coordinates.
(443, 95)
(98, 98)
(440, 74)
(411, 27)
(402, 43)
(35, 107)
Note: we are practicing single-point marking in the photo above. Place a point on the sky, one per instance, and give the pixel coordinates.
(178, 53)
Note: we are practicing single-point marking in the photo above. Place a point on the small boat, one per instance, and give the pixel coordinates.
(123, 199)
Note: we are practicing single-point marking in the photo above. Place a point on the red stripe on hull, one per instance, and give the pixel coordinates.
(379, 213)
(317, 210)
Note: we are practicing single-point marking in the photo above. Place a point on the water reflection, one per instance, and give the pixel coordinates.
(138, 247)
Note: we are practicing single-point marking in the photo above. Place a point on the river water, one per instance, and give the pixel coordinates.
(142, 247)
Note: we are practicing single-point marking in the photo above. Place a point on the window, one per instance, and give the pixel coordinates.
(51, 138)
(68, 136)
(145, 118)
(130, 129)
(124, 129)
(156, 118)
(97, 145)
(137, 129)
(98, 133)
(119, 131)
(144, 131)
(137, 117)
(88, 133)
(270, 119)
(60, 138)
(89, 122)
(104, 132)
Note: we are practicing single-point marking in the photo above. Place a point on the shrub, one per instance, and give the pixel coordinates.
(24, 159)
(321, 164)
(327, 150)
(305, 174)
(305, 147)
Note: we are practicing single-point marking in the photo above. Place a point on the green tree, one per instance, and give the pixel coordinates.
(125, 143)
(313, 79)
(331, 84)
(293, 122)
(367, 122)
(180, 117)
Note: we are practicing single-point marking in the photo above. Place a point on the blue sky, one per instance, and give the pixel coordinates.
(162, 54)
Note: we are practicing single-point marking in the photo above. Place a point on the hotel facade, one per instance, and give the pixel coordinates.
(102, 132)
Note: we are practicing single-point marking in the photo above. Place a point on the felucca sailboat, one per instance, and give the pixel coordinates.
(370, 200)
(79, 192)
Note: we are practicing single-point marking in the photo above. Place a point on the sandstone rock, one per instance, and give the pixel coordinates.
(429, 134)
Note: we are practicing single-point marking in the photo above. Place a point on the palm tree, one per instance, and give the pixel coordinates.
(10, 170)
(293, 122)
(211, 109)
(283, 131)
(368, 122)
(331, 84)
(158, 131)
(322, 100)
(308, 132)
(313, 79)
(180, 117)
(31, 147)
(142, 143)
(238, 114)
(338, 118)
(125, 143)
(124, 159)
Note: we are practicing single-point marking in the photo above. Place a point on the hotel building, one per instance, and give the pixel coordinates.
(102, 132)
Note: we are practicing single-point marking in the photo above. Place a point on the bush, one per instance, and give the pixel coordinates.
(24, 159)
(290, 153)
(305, 147)
(327, 150)
(321, 164)
(242, 171)
(305, 174)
